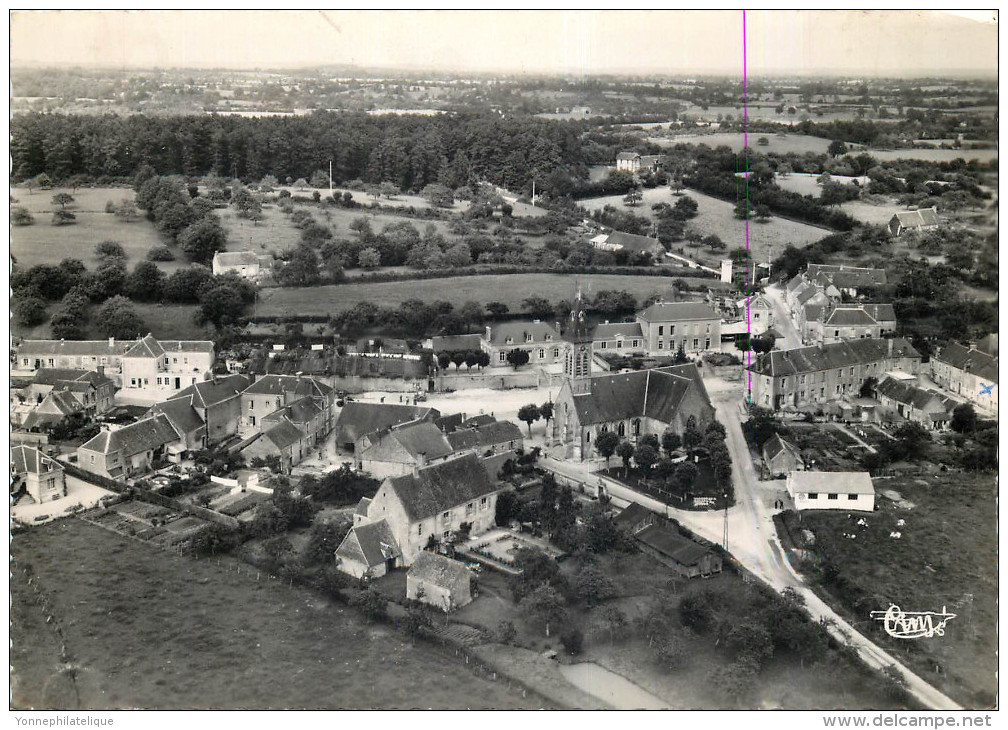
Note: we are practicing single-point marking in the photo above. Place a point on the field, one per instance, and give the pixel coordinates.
(780, 143)
(946, 556)
(510, 290)
(717, 217)
(147, 629)
(985, 155)
(44, 243)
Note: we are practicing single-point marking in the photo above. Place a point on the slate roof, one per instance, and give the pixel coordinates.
(917, 218)
(632, 242)
(180, 412)
(453, 343)
(479, 420)
(910, 394)
(235, 258)
(775, 445)
(667, 540)
(303, 410)
(499, 333)
(863, 275)
(831, 482)
(358, 419)
(655, 393)
(778, 363)
(677, 311)
(795, 282)
(848, 316)
(496, 432)
(280, 384)
(632, 515)
(94, 348)
(146, 347)
(372, 544)
(283, 434)
(610, 331)
(628, 156)
(423, 438)
(362, 507)
(29, 460)
(804, 295)
(147, 433)
(881, 312)
(980, 363)
(209, 392)
(442, 572)
(439, 487)
(59, 376)
(450, 422)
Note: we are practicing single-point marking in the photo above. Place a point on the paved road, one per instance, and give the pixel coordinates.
(781, 321)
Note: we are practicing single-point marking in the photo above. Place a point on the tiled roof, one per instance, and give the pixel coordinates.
(846, 316)
(424, 439)
(795, 282)
(497, 432)
(632, 242)
(362, 507)
(812, 359)
(208, 392)
(453, 343)
(910, 394)
(371, 544)
(628, 156)
(442, 572)
(980, 363)
(863, 275)
(667, 540)
(479, 420)
(610, 331)
(439, 487)
(280, 384)
(235, 258)
(517, 332)
(283, 434)
(303, 410)
(146, 347)
(148, 433)
(181, 413)
(918, 218)
(94, 348)
(775, 445)
(831, 482)
(677, 311)
(54, 376)
(632, 515)
(654, 393)
(28, 459)
(358, 419)
(881, 312)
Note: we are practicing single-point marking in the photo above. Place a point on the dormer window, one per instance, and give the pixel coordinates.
(528, 337)
(508, 341)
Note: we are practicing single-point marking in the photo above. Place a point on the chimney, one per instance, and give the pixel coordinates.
(111, 342)
(101, 370)
(488, 333)
(889, 347)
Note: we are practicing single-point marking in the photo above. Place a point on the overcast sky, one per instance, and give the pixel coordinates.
(588, 42)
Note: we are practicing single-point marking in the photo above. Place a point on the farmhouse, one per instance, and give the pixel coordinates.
(359, 419)
(218, 403)
(130, 451)
(926, 407)
(967, 372)
(154, 370)
(669, 326)
(439, 581)
(781, 457)
(628, 161)
(185, 420)
(433, 502)
(400, 449)
(271, 393)
(91, 390)
(629, 242)
(808, 376)
(368, 549)
(687, 558)
(629, 404)
(281, 440)
(42, 477)
(634, 517)
(247, 264)
(539, 339)
(31, 355)
(846, 490)
(845, 278)
(913, 220)
(493, 437)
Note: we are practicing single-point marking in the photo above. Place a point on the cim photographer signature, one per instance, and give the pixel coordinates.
(902, 624)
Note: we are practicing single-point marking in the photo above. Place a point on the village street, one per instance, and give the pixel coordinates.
(781, 321)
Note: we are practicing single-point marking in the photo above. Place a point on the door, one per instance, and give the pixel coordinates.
(177, 384)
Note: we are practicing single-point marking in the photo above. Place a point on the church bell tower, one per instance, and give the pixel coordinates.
(578, 347)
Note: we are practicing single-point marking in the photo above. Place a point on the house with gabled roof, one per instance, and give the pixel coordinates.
(439, 581)
(539, 339)
(928, 408)
(921, 219)
(628, 161)
(780, 456)
(270, 393)
(130, 451)
(43, 478)
(842, 490)
(400, 449)
(358, 419)
(218, 402)
(630, 404)
(688, 558)
(185, 420)
(153, 370)
(484, 439)
(669, 326)
(618, 337)
(369, 549)
(278, 439)
(631, 243)
(436, 501)
(31, 355)
(968, 373)
(247, 264)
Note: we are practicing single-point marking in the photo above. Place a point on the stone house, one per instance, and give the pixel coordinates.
(131, 450)
(43, 477)
(667, 326)
(539, 339)
(153, 370)
(439, 581)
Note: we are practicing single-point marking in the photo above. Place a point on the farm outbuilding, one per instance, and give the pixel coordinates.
(439, 581)
(688, 558)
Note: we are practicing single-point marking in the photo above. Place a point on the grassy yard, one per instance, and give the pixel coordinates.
(510, 289)
(717, 217)
(147, 629)
(946, 556)
(44, 243)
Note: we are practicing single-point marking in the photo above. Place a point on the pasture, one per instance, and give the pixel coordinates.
(148, 629)
(510, 290)
(862, 210)
(717, 217)
(779, 143)
(932, 155)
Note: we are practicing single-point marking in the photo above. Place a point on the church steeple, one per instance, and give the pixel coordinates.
(577, 354)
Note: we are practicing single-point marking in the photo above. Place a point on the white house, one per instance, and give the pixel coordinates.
(843, 490)
(154, 370)
(246, 264)
(43, 477)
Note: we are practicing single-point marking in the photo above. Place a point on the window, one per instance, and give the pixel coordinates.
(446, 534)
(813, 495)
(661, 345)
(636, 343)
(549, 337)
(503, 356)
(708, 329)
(803, 380)
(185, 360)
(528, 336)
(696, 343)
(838, 389)
(836, 333)
(133, 382)
(251, 405)
(852, 371)
(159, 381)
(707, 344)
(51, 362)
(445, 515)
(542, 354)
(661, 330)
(419, 529)
(852, 497)
(605, 345)
(671, 330)
(832, 496)
(483, 503)
(801, 394)
(174, 361)
(822, 392)
(508, 341)
(755, 316)
(146, 381)
(166, 361)
(556, 352)
(619, 344)
(24, 361)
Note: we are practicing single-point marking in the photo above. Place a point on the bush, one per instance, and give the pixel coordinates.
(21, 217)
(506, 632)
(572, 640)
(371, 603)
(160, 253)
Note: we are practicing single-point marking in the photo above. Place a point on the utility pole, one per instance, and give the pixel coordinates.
(724, 536)
(330, 177)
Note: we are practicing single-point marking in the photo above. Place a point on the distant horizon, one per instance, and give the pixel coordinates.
(648, 43)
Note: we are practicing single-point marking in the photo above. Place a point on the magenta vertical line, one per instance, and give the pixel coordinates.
(745, 147)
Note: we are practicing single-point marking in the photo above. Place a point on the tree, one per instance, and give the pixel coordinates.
(439, 196)
(625, 451)
(714, 243)
(63, 217)
(517, 357)
(605, 444)
(505, 633)
(645, 456)
(388, 190)
(301, 269)
(62, 199)
(544, 604)
(633, 198)
(144, 284)
(572, 640)
(126, 210)
(202, 239)
(546, 411)
(109, 250)
(593, 586)
(117, 318)
(444, 359)
(369, 258)
(319, 179)
(371, 603)
(685, 474)
(691, 437)
(496, 310)
(670, 441)
(247, 204)
(220, 304)
(537, 307)
(836, 148)
(20, 216)
(614, 619)
(529, 413)
(325, 537)
(964, 418)
(29, 311)
(471, 313)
